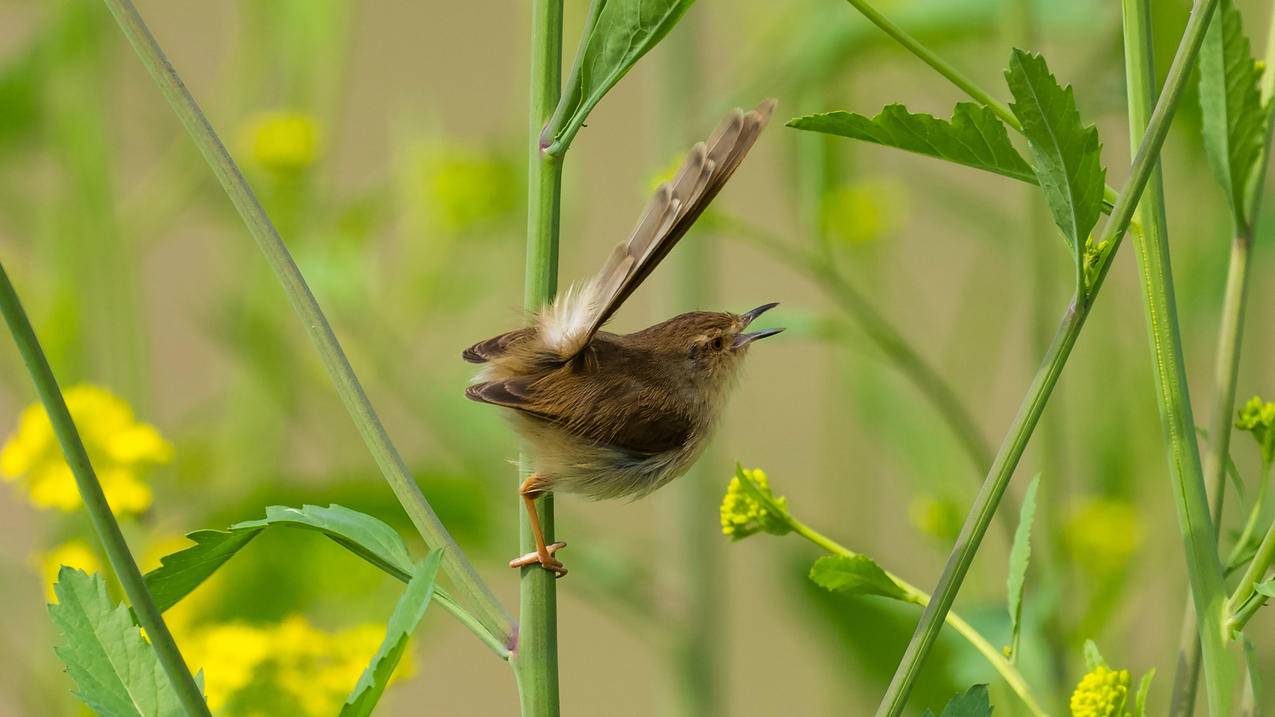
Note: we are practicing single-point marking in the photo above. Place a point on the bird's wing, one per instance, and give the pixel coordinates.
(570, 323)
(494, 347)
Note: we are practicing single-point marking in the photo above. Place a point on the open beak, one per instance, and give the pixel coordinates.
(743, 339)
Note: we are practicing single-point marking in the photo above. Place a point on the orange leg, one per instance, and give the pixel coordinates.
(543, 554)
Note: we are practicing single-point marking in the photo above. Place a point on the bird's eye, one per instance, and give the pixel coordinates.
(718, 343)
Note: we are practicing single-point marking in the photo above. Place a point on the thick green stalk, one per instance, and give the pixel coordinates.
(1024, 423)
(462, 572)
(536, 654)
(1226, 367)
(698, 642)
(1169, 369)
(108, 531)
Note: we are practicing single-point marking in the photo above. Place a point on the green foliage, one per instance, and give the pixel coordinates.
(854, 575)
(365, 536)
(1267, 588)
(1144, 693)
(116, 671)
(1019, 555)
(1066, 151)
(1258, 418)
(974, 702)
(973, 137)
(407, 615)
(616, 35)
(1231, 104)
(1093, 658)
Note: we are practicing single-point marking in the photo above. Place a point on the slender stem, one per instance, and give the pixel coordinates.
(1226, 367)
(917, 596)
(1024, 423)
(1256, 571)
(536, 656)
(940, 65)
(1234, 558)
(378, 442)
(108, 531)
(698, 643)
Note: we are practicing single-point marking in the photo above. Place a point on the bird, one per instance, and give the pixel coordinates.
(607, 415)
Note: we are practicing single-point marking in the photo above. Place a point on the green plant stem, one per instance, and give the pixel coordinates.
(1238, 613)
(1042, 386)
(1226, 367)
(493, 617)
(1234, 558)
(913, 595)
(108, 531)
(698, 641)
(888, 339)
(536, 655)
(1169, 369)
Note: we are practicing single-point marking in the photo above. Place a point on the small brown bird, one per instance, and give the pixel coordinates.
(608, 415)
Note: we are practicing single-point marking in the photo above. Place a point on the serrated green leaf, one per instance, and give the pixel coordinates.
(854, 575)
(1144, 692)
(1230, 100)
(1267, 588)
(1066, 152)
(116, 672)
(1093, 658)
(407, 615)
(616, 35)
(183, 571)
(1019, 556)
(973, 137)
(974, 702)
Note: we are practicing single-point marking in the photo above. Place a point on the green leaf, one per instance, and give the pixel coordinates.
(855, 575)
(1019, 556)
(973, 137)
(1066, 152)
(1093, 658)
(974, 702)
(1144, 692)
(369, 538)
(1231, 104)
(116, 672)
(616, 35)
(407, 615)
(1267, 588)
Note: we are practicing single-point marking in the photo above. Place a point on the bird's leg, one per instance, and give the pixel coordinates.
(531, 489)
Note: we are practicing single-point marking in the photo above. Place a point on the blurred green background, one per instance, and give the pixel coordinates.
(387, 142)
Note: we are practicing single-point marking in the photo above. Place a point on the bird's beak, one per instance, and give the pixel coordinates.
(743, 339)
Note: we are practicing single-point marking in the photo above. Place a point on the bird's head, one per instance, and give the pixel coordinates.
(708, 344)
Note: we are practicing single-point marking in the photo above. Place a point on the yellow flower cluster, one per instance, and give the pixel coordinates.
(1102, 534)
(1258, 417)
(291, 667)
(1103, 692)
(282, 141)
(119, 447)
(742, 514)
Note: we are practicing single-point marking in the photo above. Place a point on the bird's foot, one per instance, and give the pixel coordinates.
(545, 559)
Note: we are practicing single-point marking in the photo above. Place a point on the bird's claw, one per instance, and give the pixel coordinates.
(545, 560)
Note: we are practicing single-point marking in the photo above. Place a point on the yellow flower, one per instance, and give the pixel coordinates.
(1102, 534)
(742, 514)
(73, 554)
(1258, 417)
(864, 211)
(119, 446)
(291, 667)
(1103, 692)
(283, 141)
